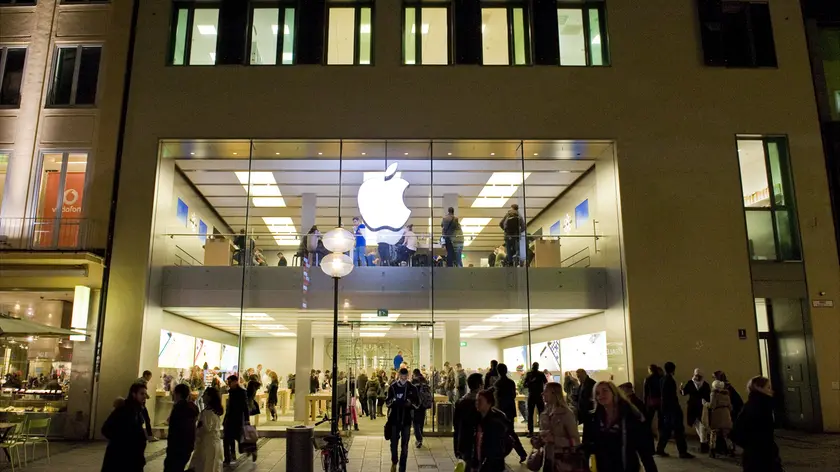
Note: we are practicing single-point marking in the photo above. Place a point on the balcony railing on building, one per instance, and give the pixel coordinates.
(48, 234)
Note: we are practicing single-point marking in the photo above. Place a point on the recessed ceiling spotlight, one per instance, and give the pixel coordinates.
(320, 153)
(192, 154)
(536, 154)
(406, 153)
(276, 153)
(492, 153)
(448, 153)
(234, 154)
(363, 153)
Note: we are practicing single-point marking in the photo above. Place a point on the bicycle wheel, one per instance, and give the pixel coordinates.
(338, 462)
(326, 462)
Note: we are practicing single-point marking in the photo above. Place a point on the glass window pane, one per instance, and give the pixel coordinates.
(779, 173)
(595, 37)
(62, 85)
(71, 206)
(435, 36)
(4, 165)
(519, 37)
(760, 235)
(764, 353)
(265, 30)
(289, 36)
(342, 36)
(494, 36)
(830, 54)
(203, 44)
(754, 186)
(365, 26)
(572, 44)
(88, 76)
(409, 35)
(179, 49)
(12, 75)
(761, 315)
(788, 236)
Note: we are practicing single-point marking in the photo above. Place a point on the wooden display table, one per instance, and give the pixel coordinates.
(314, 401)
(218, 252)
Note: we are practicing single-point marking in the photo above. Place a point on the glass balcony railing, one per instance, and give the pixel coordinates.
(48, 234)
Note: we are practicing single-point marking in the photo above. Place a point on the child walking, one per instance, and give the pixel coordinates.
(720, 418)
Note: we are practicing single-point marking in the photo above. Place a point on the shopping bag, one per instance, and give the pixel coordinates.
(573, 460)
(460, 466)
(535, 460)
(593, 467)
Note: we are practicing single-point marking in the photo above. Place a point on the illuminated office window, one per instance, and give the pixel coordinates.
(349, 36)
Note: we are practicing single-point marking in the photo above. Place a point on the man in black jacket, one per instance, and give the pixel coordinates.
(401, 400)
(496, 434)
(125, 434)
(698, 392)
(513, 225)
(585, 401)
(236, 416)
(672, 415)
(492, 375)
(181, 438)
(505, 390)
(465, 420)
(653, 393)
(535, 383)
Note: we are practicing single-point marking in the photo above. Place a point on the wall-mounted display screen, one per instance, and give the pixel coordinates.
(208, 352)
(176, 350)
(182, 212)
(548, 355)
(582, 214)
(230, 358)
(513, 357)
(588, 352)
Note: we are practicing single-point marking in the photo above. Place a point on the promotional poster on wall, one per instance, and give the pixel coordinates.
(176, 350)
(587, 351)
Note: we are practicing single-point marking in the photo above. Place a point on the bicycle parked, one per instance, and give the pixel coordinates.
(333, 452)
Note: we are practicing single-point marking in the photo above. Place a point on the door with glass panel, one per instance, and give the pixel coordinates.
(58, 213)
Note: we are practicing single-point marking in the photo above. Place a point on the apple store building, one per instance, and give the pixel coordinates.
(455, 252)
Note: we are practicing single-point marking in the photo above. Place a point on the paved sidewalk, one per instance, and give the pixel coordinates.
(801, 453)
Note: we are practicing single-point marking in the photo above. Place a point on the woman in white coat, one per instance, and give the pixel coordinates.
(208, 456)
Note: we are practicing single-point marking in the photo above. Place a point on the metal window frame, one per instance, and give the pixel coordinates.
(4, 50)
(190, 7)
(418, 31)
(20, 3)
(585, 8)
(357, 32)
(526, 24)
(281, 6)
(75, 82)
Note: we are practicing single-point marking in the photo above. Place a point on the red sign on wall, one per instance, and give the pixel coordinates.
(70, 212)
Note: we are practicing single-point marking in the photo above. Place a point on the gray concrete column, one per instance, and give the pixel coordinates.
(451, 342)
(318, 354)
(309, 204)
(424, 336)
(304, 365)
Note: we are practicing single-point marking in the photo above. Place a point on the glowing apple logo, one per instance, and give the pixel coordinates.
(381, 201)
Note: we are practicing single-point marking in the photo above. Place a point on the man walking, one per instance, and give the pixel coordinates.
(671, 415)
(513, 224)
(492, 375)
(652, 395)
(181, 439)
(124, 431)
(585, 403)
(462, 380)
(401, 401)
(425, 398)
(698, 392)
(144, 381)
(535, 383)
(505, 390)
(465, 420)
(236, 417)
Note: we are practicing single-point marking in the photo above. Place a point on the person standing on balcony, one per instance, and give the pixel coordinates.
(513, 224)
(359, 258)
(449, 226)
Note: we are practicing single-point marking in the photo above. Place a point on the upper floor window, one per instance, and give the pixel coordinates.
(11, 75)
(582, 35)
(768, 199)
(737, 33)
(504, 36)
(426, 35)
(194, 35)
(18, 2)
(829, 55)
(75, 75)
(349, 35)
(272, 38)
(74, 2)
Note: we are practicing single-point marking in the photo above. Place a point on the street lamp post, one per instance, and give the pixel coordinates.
(336, 265)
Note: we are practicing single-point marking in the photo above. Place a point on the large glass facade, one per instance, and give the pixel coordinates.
(465, 252)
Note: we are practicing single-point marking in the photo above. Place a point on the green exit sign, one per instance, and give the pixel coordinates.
(382, 312)
(463, 344)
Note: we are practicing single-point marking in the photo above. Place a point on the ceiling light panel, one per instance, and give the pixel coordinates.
(256, 178)
(372, 335)
(480, 328)
(468, 335)
(504, 318)
(499, 188)
(207, 30)
(253, 316)
(284, 334)
(269, 202)
(270, 327)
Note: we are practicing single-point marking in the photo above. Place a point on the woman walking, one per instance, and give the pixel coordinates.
(614, 431)
(720, 418)
(753, 429)
(558, 429)
(273, 387)
(208, 455)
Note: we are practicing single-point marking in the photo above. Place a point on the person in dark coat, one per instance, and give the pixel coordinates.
(273, 388)
(313, 382)
(402, 399)
(671, 415)
(652, 395)
(585, 400)
(505, 392)
(614, 433)
(699, 393)
(492, 375)
(361, 384)
(495, 432)
(645, 440)
(465, 421)
(181, 438)
(125, 434)
(535, 383)
(236, 417)
(252, 388)
(753, 430)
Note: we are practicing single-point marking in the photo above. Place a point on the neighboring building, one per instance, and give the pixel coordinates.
(62, 69)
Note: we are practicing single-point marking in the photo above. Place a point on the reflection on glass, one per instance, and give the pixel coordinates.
(754, 186)
(788, 236)
(830, 54)
(435, 36)
(179, 49)
(494, 36)
(203, 44)
(365, 27)
(409, 43)
(778, 172)
(265, 33)
(760, 234)
(572, 43)
(519, 37)
(289, 37)
(595, 39)
(342, 35)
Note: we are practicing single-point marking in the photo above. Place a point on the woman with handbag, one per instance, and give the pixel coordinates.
(558, 436)
(614, 433)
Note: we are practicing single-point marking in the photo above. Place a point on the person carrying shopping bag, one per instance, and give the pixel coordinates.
(558, 436)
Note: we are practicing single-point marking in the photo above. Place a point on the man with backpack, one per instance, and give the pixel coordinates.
(424, 393)
(402, 402)
(535, 383)
(513, 224)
